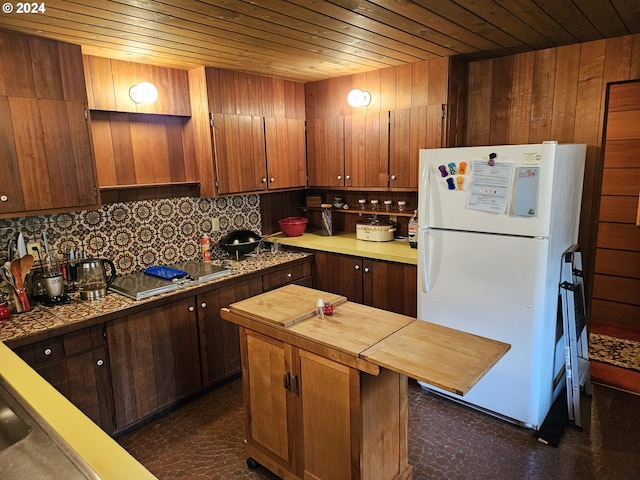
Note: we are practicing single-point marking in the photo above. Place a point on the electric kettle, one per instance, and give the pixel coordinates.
(92, 277)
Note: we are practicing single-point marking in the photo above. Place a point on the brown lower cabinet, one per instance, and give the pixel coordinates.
(155, 359)
(311, 417)
(386, 285)
(77, 365)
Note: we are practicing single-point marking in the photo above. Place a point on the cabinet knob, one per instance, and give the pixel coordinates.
(203, 304)
(264, 179)
(289, 275)
(272, 179)
(393, 177)
(366, 269)
(191, 308)
(4, 198)
(357, 267)
(100, 363)
(339, 177)
(47, 351)
(348, 177)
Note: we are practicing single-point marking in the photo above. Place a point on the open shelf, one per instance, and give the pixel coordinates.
(360, 212)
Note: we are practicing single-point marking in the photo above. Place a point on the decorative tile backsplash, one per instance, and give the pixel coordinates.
(138, 234)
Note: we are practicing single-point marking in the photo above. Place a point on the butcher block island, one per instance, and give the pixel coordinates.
(326, 398)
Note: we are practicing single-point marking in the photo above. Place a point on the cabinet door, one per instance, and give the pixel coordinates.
(366, 138)
(286, 153)
(390, 286)
(154, 359)
(219, 341)
(47, 156)
(327, 396)
(267, 373)
(409, 133)
(85, 381)
(325, 152)
(240, 157)
(341, 274)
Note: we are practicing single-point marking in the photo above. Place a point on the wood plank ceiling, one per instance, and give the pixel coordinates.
(309, 40)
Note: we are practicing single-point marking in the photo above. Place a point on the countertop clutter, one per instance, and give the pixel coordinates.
(346, 243)
(41, 320)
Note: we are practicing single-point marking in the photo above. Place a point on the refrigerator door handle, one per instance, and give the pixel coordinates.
(423, 244)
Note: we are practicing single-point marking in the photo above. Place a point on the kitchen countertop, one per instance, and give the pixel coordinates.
(103, 454)
(346, 243)
(41, 321)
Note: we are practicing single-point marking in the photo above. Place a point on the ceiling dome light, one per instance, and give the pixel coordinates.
(358, 98)
(144, 92)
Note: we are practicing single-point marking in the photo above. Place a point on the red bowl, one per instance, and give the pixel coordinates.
(293, 226)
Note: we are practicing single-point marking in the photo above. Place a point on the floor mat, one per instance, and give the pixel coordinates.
(615, 351)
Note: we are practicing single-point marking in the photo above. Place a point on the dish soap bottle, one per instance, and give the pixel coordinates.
(413, 230)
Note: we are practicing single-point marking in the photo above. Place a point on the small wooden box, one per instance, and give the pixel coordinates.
(314, 201)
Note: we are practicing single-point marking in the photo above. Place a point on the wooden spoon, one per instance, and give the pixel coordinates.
(26, 263)
(17, 273)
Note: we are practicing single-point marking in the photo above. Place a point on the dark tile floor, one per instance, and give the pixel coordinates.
(204, 440)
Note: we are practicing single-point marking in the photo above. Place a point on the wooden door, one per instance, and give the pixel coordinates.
(325, 152)
(286, 153)
(267, 373)
(154, 359)
(390, 286)
(240, 157)
(616, 303)
(219, 339)
(366, 138)
(341, 274)
(327, 397)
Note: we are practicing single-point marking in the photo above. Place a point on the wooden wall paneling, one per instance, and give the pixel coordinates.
(402, 143)
(621, 153)
(16, 63)
(388, 89)
(3, 88)
(479, 103)
(214, 93)
(616, 289)
(542, 98)
(621, 181)
(31, 151)
(634, 70)
(123, 79)
(373, 85)
(404, 84)
(501, 87)
(294, 100)
(565, 94)
(273, 103)
(99, 83)
(521, 98)
(122, 148)
(456, 120)
(151, 158)
(623, 96)
(46, 68)
(420, 87)
(622, 263)
(620, 236)
(179, 164)
(618, 209)
(103, 144)
(9, 162)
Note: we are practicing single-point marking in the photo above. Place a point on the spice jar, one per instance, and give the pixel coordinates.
(374, 205)
(363, 204)
(402, 206)
(387, 205)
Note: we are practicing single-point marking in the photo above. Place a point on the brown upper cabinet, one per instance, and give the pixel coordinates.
(255, 137)
(47, 159)
(412, 107)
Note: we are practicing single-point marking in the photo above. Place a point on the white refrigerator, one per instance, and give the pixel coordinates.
(494, 222)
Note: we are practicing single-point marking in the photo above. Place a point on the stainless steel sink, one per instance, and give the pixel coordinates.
(30, 448)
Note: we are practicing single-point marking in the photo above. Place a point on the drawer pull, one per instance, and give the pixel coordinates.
(47, 351)
(286, 379)
(366, 269)
(357, 267)
(100, 362)
(289, 275)
(203, 304)
(191, 308)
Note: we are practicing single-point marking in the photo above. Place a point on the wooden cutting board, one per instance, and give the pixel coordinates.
(285, 306)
